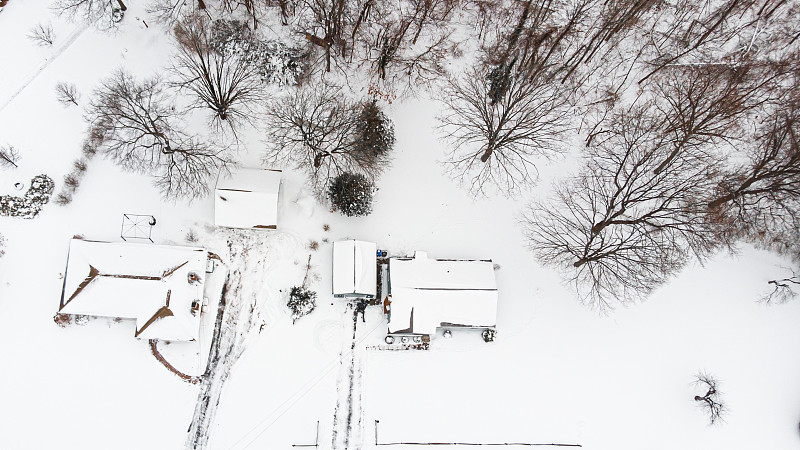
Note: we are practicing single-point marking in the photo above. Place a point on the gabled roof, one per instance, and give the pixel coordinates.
(248, 198)
(148, 283)
(355, 268)
(441, 293)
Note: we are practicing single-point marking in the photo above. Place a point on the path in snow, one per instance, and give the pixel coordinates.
(347, 417)
(238, 318)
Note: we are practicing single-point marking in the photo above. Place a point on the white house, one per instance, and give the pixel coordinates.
(354, 269)
(425, 294)
(247, 199)
(160, 287)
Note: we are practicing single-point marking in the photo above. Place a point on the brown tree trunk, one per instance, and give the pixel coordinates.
(122, 6)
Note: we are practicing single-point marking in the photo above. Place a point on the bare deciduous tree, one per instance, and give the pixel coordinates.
(171, 12)
(42, 34)
(9, 156)
(221, 81)
(759, 200)
(141, 133)
(783, 289)
(620, 230)
(495, 143)
(67, 93)
(104, 14)
(315, 131)
(711, 401)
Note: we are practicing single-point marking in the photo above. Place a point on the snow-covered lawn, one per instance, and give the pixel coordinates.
(557, 373)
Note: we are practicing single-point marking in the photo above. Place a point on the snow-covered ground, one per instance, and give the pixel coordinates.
(557, 373)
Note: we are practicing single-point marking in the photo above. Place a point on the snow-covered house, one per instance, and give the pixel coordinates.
(354, 269)
(425, 294)
(247, 199)
(161, 287)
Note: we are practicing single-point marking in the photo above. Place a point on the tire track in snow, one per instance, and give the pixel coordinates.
(237, 319)
(347, 417)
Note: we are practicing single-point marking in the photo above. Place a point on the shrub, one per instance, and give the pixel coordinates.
(351, 194)
(301, 301)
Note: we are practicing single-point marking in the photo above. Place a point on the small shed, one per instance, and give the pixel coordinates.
(355, 269)
(160, 287)
(425, 294)
(248, 198)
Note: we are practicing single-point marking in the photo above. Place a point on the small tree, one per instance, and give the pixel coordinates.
(301, 301)
(9, 156)
(374, 133)
(710, 401)
(351, 194)
(42, 35)
(67, 93)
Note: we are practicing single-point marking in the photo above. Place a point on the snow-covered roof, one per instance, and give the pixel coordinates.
(148, 283)
(429, 293)
(354, 268)
(247, 199)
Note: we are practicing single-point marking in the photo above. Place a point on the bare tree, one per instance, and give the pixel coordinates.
(170, 12)
(221, 81)
(315, 131)
(325, 22)
(711, 402)
(705, 106)
(760, 200)
(9, 156)
(42, 34)
(619, 230)
(104, 14)
(495, 143)
(783, 289)
(141, 133)
(67, 93)
(404, 45)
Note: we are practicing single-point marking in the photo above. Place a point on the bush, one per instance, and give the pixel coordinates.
(351, 194)
(301, 301)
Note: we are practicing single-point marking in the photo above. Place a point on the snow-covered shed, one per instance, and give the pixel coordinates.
(247, 199)
(425, 294)
(161, 287)
(354, 269)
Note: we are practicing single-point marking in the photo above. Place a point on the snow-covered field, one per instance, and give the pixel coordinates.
(557, 373)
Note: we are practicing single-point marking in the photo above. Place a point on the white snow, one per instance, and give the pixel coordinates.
(248, 198)
(99, 282)
(558, 372)
(354, 268)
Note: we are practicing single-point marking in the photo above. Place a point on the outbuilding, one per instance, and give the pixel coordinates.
(355, 269)
(160, 287)
(425, 294)
(248, 198)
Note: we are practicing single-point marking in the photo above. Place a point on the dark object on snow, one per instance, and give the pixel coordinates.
(488, 335)
(301, 302)
(361, 308)
(351, 194)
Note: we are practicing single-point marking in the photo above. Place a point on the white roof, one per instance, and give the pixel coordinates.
(354, 268)
(148, 283)
(247, 199)
(441, 293)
